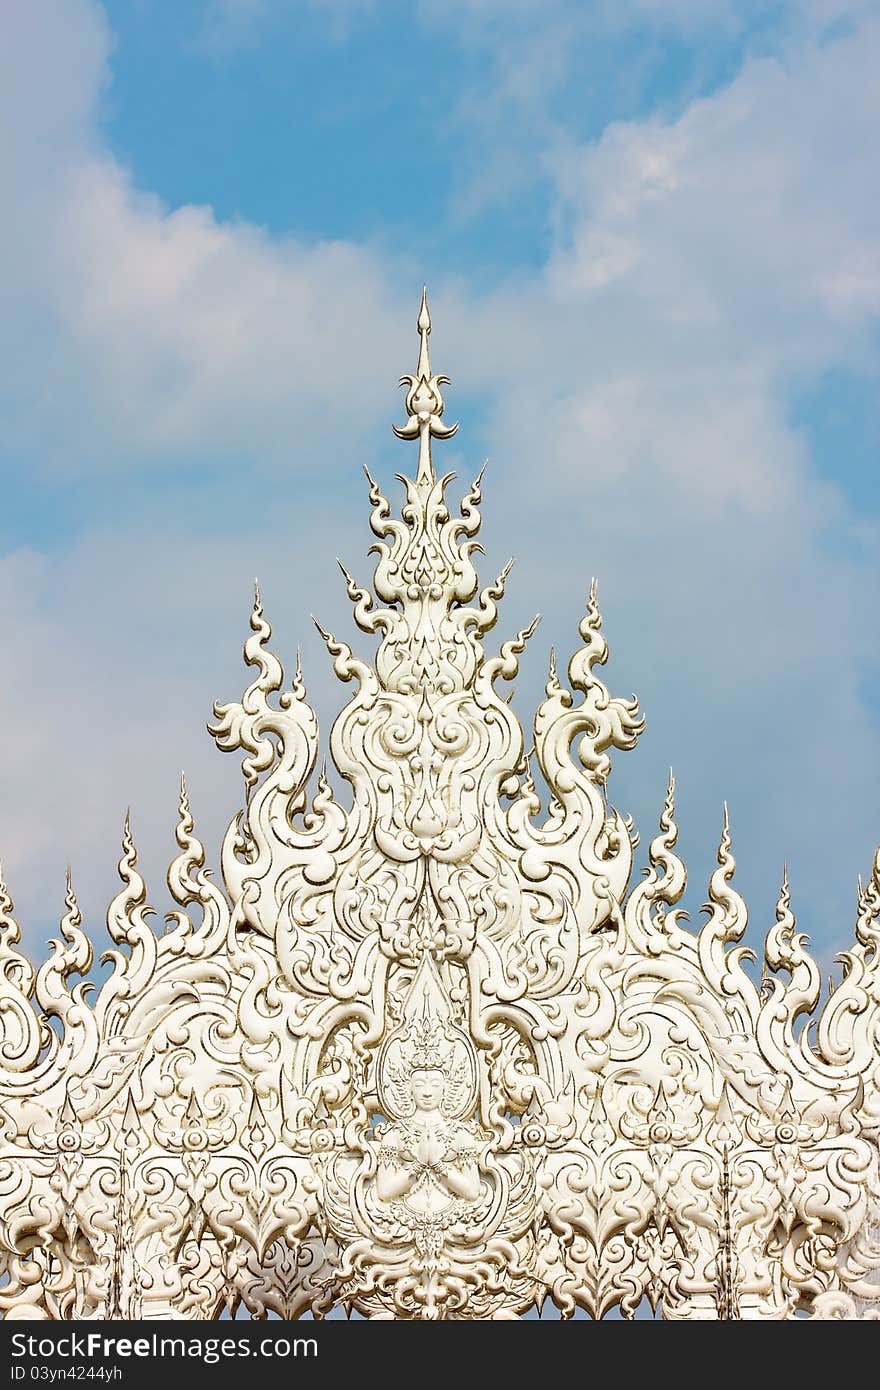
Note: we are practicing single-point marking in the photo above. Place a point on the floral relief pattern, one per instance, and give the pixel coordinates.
(431, 1053)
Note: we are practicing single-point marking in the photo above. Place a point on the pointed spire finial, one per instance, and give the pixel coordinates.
(667, 815)
(72, 916)
(424, 334)
(424, 401)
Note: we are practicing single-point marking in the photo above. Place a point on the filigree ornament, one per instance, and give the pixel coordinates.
(427, 1042)
(429, 1054)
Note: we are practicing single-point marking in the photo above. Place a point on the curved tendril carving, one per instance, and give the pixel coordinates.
(425, 1053)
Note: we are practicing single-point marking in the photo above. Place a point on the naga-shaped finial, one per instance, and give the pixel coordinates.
(424, 401)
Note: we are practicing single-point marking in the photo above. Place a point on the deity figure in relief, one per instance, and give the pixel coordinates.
(427, 1160)
(429, 1148)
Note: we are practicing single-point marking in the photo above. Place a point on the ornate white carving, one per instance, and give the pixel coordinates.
(429, 1055)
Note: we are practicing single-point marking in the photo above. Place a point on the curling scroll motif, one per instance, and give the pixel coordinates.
(430, 1054)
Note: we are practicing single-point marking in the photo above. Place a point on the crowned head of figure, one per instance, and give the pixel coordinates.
(427, 1066)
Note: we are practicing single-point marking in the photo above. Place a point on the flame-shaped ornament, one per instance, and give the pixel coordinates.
(426, 1053)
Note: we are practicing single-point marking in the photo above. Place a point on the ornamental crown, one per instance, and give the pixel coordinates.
(654, 1125)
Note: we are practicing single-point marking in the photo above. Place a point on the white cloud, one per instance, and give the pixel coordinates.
(162, 330)
(638, 388)
(755, 210)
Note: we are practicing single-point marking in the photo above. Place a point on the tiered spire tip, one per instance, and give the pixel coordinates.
(424, 400)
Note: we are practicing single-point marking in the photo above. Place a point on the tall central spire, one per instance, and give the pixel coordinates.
(424, 401)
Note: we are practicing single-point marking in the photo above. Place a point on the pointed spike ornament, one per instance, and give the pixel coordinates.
(424, 325)
(72, 917)
(424, 402)
(784, 914)
(131, 1121)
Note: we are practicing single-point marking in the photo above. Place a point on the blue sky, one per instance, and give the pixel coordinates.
(651, 234)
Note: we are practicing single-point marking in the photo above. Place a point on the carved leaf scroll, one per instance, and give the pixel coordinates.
(428, 1054)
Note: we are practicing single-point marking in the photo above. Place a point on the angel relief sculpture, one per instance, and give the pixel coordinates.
(429, 1155)
(430, 1183)
(429, 1052)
